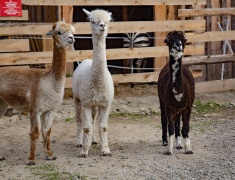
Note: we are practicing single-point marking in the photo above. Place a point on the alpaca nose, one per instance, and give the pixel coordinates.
(71, 39)
(102, 25)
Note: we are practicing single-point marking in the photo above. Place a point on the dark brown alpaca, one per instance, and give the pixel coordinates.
(176, 91)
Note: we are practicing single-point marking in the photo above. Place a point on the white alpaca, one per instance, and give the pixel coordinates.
(93, 88)
(38, 91)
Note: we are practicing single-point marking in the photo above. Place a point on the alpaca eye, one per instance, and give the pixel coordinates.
(59, 32)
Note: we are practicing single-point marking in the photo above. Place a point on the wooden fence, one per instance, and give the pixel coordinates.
(187, 15)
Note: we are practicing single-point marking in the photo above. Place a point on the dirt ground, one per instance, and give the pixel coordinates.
(135, 141)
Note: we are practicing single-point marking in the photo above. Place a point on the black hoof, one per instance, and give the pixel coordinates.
(164, 143)
(51, 158)
(94, 142)
(107, 154)
(179, 147)
(79, 145)
(84, 155)
(189, 152)
(2, 158)
(31, 163)
(167, 153)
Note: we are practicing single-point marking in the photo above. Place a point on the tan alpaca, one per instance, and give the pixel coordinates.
(38, 91)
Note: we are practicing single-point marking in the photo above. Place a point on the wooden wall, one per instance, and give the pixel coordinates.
(195, 17)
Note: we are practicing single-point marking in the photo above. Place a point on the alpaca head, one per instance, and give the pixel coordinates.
(62, 33)
(99, 21)
(176, 42)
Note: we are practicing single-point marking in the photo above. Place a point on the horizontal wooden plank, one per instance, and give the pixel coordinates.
(13, 45)
(200, 87)
(112, 2)
(215, 59)
(134, 78)
(114, 27)
(25, 17)
(79, 55)
(205, 12)
(215, 86)
(212, 36)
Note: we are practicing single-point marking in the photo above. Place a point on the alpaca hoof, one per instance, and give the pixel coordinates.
(84, 155)
(51, 158)
(79, 145)
(179, 147)
(31, 163)
(94, 142)
(189, 152)
(167, 153)
(107, 154)
(2, 158)
(164, 143)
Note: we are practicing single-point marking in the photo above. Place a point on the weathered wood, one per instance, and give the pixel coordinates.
(114, 27)
(111, 2)
(212, 36)
(215, 86)
(67, 15)
(159, 15)
(13, 45)
(25, 17)
(206, 12)
(214, 59)
(80, 55)
(214, 70)
(134, 78)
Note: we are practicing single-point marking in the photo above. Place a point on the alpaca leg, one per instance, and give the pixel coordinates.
(3, 108)
(177, 131)
(47, 120)
(34, 134)
(171, 130)
(103, 127)
(88, 130)
(185, 131)
(78, 119)
(164, 124)
(94, 117)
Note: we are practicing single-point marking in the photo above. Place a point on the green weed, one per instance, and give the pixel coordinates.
(51, 172)
(69, 119)
(202, 108)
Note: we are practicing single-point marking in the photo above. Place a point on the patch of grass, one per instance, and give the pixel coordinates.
(69, 119)
(202, 108)
(51, 172)
(69, 75)
(205, 126)
(202, 126)
(131, 115)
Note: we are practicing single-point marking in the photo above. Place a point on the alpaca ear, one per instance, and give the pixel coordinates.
(166, 41)
(87, 12)
(50, 33)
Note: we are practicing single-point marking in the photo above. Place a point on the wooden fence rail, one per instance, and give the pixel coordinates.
(205, 12)
(111, 2)
(114, 27)
(80, 55)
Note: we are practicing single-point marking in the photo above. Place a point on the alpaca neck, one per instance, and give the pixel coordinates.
(175, 73)
(99, 54)
(58, 68)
